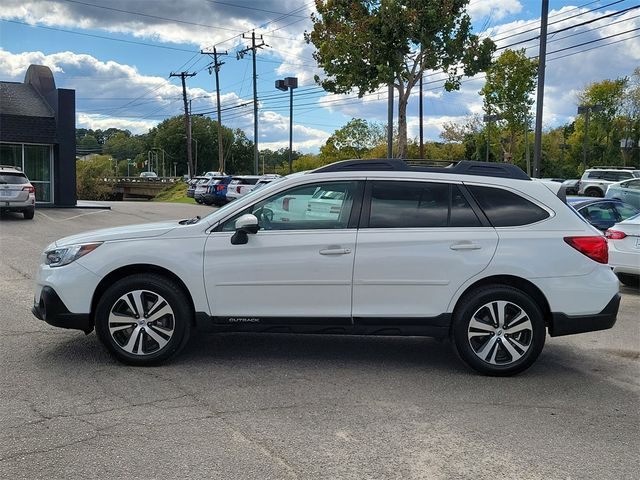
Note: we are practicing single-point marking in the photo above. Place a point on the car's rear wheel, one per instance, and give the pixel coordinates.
(594, 192)
(498, 330)
(629, 280)
(143, 319)
(28, 213)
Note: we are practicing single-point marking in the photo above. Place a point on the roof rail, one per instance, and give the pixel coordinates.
(464, 167)
(11, 166)
(613, 167)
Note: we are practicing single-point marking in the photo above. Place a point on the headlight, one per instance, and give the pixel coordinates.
(58, 257)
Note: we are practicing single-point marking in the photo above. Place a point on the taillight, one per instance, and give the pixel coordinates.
(29, 189)
(219, 188)
(238, 188)
(614, 234)
(593, 247)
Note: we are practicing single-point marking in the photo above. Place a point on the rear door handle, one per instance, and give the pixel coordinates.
(335, 251)
(465, 246)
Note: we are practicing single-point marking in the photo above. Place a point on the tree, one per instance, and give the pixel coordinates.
(604, 135)
(122, 146)
(354, 139)
(507, 91)
(88, 144)
(89, 175)
(363, 44)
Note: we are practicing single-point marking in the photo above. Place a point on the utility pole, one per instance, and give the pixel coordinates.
(187, 117)
(420, 114)
(390, 122)
(542, 59)
(253, 49)
(215, 67)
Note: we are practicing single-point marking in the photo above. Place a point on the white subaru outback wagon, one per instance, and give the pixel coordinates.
(476, 252)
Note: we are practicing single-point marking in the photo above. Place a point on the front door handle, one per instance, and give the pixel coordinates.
(465, 246)
(335, 251)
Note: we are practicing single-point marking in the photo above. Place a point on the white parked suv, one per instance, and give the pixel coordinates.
(16, 192)
(476, 252)
(596, 180)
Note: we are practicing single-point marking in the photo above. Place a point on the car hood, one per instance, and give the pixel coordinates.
(145, 230)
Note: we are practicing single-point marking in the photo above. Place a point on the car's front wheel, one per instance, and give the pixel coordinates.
(498, 330)
(143, 319)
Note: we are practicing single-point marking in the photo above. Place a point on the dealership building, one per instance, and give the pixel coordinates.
(37, 134)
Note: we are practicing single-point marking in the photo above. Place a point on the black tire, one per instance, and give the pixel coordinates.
(470, 341)
(594, 192)
(29, 213)
(179, 320)
(629, 279)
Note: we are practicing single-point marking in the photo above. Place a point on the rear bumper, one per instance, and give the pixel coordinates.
(570, 324)
(52, 310)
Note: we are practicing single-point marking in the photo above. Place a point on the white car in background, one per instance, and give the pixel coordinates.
(240, 185)
(624, 250)
(16, 192)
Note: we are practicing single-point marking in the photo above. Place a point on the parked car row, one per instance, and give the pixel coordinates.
(218, 188)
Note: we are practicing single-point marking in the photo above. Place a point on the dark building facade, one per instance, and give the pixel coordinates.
(37, 134)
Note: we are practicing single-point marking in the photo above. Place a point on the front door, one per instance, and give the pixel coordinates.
(297, 268)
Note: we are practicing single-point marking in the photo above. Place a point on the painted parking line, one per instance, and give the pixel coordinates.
(69, 218)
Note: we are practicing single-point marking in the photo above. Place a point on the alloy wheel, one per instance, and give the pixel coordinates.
(500, 333)
(141, 322)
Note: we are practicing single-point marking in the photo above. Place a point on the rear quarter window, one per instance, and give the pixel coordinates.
(506, 209)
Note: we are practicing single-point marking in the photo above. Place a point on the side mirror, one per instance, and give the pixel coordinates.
(245, 225)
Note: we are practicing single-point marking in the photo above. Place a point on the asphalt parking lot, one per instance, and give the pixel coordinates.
(287, 406)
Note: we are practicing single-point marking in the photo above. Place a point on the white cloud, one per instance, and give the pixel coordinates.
(94, 121)
(496, 9)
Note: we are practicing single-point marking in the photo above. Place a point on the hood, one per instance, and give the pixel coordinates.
(145, 230)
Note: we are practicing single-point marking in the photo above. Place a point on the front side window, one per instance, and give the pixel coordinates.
(398, 204)
(308, 207)
(507, 209)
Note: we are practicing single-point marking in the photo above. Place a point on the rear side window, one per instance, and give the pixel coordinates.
(419, 204)
(13, 178)
(506, 209)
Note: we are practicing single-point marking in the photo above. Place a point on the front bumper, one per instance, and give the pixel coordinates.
(52, 310)
(570, 324)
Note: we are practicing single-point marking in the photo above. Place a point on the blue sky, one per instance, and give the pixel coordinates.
(127, 85)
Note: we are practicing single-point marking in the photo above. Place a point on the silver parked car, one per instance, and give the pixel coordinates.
(16, 192)
(627, 191)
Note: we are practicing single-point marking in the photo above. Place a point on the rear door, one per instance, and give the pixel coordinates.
(418, 243)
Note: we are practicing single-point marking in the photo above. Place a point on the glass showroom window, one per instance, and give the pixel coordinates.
(11, 154)
(34, 161)
(37, 166)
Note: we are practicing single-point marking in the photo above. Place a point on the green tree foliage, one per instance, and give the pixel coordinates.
(510, 81)
(170, 136)
(605, 132)
(89, 175)
(354, 139)
(363, 44)
(88, 144)
(123, 145)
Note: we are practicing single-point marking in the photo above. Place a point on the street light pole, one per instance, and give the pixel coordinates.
(289, 83)
(586, 111)
(489, 119)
